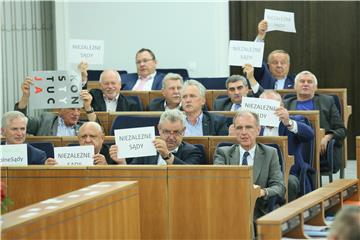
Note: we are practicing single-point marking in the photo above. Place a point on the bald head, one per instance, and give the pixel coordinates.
(91, 133)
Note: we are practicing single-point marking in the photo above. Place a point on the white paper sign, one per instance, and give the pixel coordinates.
(13, 155)
(243, 52)
(280, 21)
(74, 156)
(55, 89)
(90, 51)
(135, 142)
(264, 108)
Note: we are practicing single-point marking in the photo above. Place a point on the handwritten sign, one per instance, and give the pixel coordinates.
(13, 155)
(135, 142)
(245, 52)
(74, 156)
(264, 108)
(280, 21)
(90, 51)
(55, 89)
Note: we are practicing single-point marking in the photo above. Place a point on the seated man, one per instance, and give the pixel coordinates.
(264, 159)
(13, 128)
(146, 78)
(65, 123)
(346, 225)
(298, 132)
(91, 133)
(237, 87)
(171, 87)
(108, 98)
(199, 122)
(275, 75)
(170, 147)
(330, 118)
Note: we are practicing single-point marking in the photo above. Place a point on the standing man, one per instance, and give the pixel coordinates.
(199, 122)
(171, 88)
(330, 118)
(264, 159)
(170, 147)
(237, 87)
(146, 78)
(108, 98)
(274, 75)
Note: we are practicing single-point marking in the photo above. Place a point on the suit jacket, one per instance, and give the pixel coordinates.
(214, 125)
(267, 81)
(123, 103)
(105, 151)
(330, 120)
(266, 171)
(186, 154)
(129, 81)
(35, 156)
(45, 125)
(157, 104)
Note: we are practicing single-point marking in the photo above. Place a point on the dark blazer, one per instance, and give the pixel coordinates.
(266, 172)
(35, 156)
(267, 81)
(123, 104)
(157, 104)
(330, 119)
(225, 104)
(129, 80)
(46, 124)
(214, 125)
(186, 154)
(105, 151)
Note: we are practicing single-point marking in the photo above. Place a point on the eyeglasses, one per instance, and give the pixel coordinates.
(177, 133)
(138, 62)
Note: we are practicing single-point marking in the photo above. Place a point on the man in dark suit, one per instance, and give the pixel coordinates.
(108, 98)
(237, 87)
(298, 133)
(274, 75)
(170, 147)
(264, 159)
(146, 78)
(65, 123)
(330, 118)
(199, 122)
(13, 128)
(171, 87)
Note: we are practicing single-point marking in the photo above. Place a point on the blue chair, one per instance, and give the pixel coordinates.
(133, 121)
(138, 102)
(47, 147)
(181, 71)
(94, 75)
(201, 147)
(327, 162)
(212, 83)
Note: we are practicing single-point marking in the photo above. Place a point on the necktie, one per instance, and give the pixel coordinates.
(244, 158)
(142, 84)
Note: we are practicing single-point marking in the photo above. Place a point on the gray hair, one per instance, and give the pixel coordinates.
(346, 224)
(270, 92)
(243, 113)
(10, 116)
(299, 75)
(95, 124)
(195, 83)
(172, 76)
(110, 70)
(172, 115)
(279, 51)
(236, 78)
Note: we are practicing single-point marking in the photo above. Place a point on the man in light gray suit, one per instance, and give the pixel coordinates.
(264, 159)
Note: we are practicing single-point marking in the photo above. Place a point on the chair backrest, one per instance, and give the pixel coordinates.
(134, 121)
(181, 71)
(94, 75)
(138, 102)
(201, 147)
(47, 147)
(212, 83)
(143, 95)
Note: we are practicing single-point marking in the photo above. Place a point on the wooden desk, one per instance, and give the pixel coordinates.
(103, 119)
(288, 220)
(56, 141)
(107, 210)
(211, 202)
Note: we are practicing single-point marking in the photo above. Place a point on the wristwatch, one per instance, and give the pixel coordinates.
(291, 124)
(90, 111)
(168, 156)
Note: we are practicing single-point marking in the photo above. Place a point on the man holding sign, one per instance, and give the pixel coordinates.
(13, 128)
(170, 147)
(65, 123)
